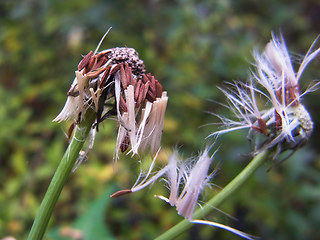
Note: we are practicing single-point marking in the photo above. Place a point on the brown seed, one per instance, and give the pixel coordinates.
(101, 60)
(94, 74)
(136, 90)
(104, 77)
(159, 89)
(90, 65)
(262, 127)
(123, 77)
(128, 72)
(291, 95)
(153, 84)
(145, 79)
(83, 63)
(122, 105)
(145, 91)
(120, 193)
(141, 95)
(150, 96)
(114, 69)
(278, 120)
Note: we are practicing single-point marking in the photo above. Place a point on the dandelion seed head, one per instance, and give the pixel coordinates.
(114, 83)
(283, 120)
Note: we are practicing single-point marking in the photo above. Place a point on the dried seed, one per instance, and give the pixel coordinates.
(83, 63)
(262, 127)
(123, 105)
(278, 120)
(90, 65)
(95, 74)
(159, 89)
(141, 95)
(145, 90)
(128, 72)
(123, 77)
(150, 96)
(120, 193)
(291, 95)
(136, 90)
(153, 84)
(144, 78)
(104, 77)
(101, 60)
(114, 69)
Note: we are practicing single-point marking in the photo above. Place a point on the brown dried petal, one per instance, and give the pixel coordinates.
(83, 63)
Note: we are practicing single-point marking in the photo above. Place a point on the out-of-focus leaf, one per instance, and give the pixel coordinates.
(90, 225)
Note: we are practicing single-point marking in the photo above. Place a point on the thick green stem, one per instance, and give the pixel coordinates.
(60, 177)
(226, 192)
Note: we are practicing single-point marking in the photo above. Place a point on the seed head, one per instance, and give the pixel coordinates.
(281, 119)
(114, 83)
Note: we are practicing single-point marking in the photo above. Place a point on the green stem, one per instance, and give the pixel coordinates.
(226, 192)
(60, 177)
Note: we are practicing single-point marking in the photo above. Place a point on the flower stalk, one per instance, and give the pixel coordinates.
(60, 177)
(222, 196)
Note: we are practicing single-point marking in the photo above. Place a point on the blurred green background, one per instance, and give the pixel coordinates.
(191, 47)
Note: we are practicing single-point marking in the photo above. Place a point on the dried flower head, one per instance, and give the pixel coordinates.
(191, 178)
(114, 82)
(282, 119)
(185, 180)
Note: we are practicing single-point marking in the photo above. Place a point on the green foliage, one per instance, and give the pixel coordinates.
(191, 47)
(90, 223)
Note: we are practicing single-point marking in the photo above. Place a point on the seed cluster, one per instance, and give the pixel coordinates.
(114, 82)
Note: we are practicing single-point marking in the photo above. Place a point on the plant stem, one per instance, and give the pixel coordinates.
(60, 177)
(226, 192)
